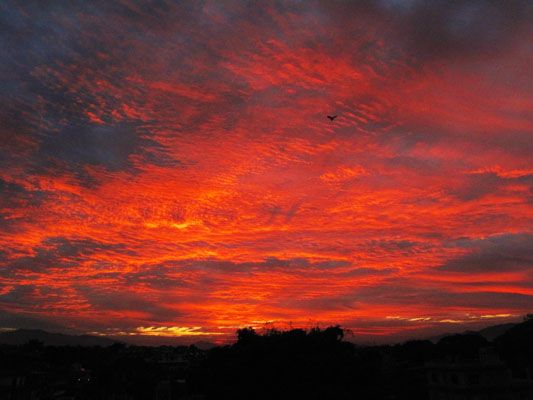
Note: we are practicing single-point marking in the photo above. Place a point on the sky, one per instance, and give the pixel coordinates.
(168, 170)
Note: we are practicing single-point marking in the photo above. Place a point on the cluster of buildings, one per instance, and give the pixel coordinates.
(164, 378)
(485, 377)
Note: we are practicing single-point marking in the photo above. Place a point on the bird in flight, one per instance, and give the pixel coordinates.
(332, 118)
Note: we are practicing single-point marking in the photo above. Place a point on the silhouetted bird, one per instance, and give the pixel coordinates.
(332, 118)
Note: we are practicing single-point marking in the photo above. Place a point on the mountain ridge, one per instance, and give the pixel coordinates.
(490, 332)
(19, 337)
(22, 336)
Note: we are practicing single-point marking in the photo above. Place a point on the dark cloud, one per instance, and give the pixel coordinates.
(391, 244)
(21, 320)
(15, 201)
(501, 253)
(443, 28)
(270, 264)
(480, 299)
(156, 277)
(478, 185)
(21, 295)
(16, 131)
(14, 195)
(120, 300)
(56, 69)
(40, 262)
(61, 252)
(38, 298)
(276, 211)
(367, 272)
(330, 264)
(433, 29)
(74, 248)
(99, 145)
(399, 293)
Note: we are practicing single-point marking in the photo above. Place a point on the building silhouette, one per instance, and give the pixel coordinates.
(485, 377)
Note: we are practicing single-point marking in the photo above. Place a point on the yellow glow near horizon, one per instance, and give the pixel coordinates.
(174, 331)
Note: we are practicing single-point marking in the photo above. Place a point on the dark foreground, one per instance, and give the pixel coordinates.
(295, 364)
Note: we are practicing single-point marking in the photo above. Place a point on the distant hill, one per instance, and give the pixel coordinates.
(21, 336)
(203, 345)
(490, 333)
